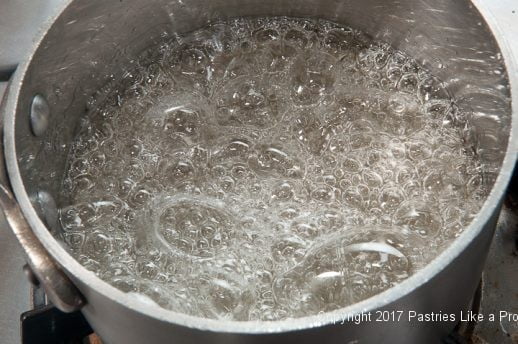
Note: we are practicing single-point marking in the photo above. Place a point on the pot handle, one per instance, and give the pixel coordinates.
(58, 287)
(41, 269)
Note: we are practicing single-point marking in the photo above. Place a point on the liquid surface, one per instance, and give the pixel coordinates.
(266, 169)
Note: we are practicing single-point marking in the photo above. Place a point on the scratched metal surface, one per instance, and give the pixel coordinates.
(19, 21)
(500, 291)
(19, 24)
(14, 289)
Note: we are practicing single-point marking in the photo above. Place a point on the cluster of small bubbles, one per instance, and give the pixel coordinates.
(262, 169)
(348, 267)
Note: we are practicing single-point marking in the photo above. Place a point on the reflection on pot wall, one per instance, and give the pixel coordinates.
(90, 46)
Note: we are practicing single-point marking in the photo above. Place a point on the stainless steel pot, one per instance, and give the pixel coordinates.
(88, 45)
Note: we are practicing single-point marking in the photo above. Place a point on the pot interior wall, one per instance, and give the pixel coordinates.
(93, 42)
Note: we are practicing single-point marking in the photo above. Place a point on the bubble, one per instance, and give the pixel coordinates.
(109, 147)
(311, 133)
(124, 284)
(474, 184)
(236, 149)
(438, 109)
(98, 159)
(330, 220)
(229, 296)
(290, 247)
(77, 216)
(283, 191)
(289, 213)
(240, 62)
(182, 120)
(82, 182)
(109, 207)
(154, 293)
(135, 170)
(139, 196)
(133, 148)
(227, 183)
(418, 151)
(390, 198)
(192, 60)
(323, 193)
(351, 165)
(79, 166)
(408, 83)
(271, 168)
(305, 229)
(147, 270)
(312, 78)
(419, 218)
(199, 155)
(177, 170)
(98, 245)
(360, 140)
(272, 160)
(296, 37)
(373, 58)
(124, 187)
(352, 198)
(330, 180)
(372, 179)
(74, 240)
(84, 145)
(338, 145)
(192, 228)
(434, 182)
(239, 171)
(247, 102)
(263, 35)
(279, 56)
(339, 40)
(344, 268)
(431, 88)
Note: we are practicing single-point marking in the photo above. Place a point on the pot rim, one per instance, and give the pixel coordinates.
(74, 268)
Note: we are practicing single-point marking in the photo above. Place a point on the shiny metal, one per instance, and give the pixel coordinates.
(14, 288)
(39, 115)
(501, 279)
(31, 277)
(60, 290)
(41, 269)
(47, 210)
(20, 22)
(89, 45)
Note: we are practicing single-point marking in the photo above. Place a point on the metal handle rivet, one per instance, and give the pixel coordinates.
(40, 115)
